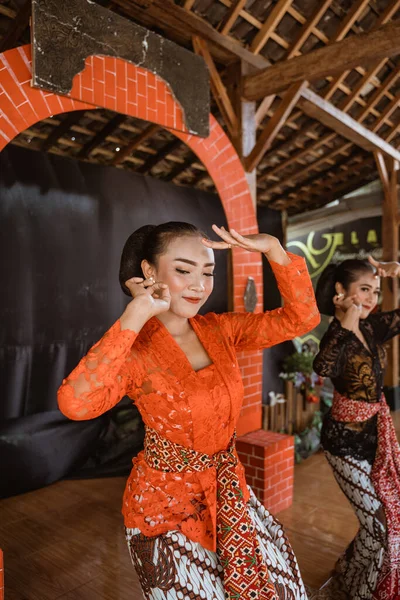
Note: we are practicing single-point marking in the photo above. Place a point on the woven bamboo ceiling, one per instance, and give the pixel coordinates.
(308, 164)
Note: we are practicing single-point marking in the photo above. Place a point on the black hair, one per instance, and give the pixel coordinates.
(148, 243)
(345, 273)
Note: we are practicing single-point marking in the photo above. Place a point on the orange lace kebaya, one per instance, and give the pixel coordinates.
(198, 410)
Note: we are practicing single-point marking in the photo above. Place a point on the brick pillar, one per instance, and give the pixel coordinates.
(120, 86)
(268, 459)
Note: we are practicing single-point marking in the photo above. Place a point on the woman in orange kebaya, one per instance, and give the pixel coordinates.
(194, 529)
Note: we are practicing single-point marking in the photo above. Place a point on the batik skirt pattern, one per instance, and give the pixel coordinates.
(172, 567)
(360, 565)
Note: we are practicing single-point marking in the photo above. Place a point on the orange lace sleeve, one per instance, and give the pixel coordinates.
(101, 378)
(298, 315)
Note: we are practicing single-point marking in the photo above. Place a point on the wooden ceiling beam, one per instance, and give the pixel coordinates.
(345, 105)
(273, 19)
(147, 133)
(346, 187)
(17, 28)
(70, 119)
(163, 153)
(170, 15)
(263, 109)
(385, 17)
(347, 23)
(8, 12)
(217, 87)
(307, 28)
(274, 125)
(316, 186)
(180, 168)
(382, 170)
(100, 136)
(270, 173)
(317, 108)
(231, 15)
(386, 114)
(335, 58)
(291, 179)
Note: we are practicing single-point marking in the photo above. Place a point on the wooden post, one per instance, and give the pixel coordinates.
(388, 170)
(244, 138)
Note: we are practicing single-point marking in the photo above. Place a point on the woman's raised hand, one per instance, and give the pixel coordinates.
(385, 269)
(258, 242)
(348, 310)
(150, 298)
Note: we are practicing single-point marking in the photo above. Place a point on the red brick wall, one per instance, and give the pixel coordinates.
(268, 459)
(118, 85)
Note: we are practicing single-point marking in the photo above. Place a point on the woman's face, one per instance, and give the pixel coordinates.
(366, 289)
(187, 268)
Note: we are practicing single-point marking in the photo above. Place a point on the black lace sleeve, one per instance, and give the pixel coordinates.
(329, 360)
(386, 325)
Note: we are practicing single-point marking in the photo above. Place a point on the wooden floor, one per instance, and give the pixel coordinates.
(66, 541)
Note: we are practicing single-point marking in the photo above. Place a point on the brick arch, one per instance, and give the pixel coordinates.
(122, 87)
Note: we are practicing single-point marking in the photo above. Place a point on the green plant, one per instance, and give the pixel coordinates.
(299, 362)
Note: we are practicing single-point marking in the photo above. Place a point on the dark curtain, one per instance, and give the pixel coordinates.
(270, 221)
(63, 224)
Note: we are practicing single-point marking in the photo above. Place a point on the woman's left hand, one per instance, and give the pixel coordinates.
(258, 242)
(385, 269)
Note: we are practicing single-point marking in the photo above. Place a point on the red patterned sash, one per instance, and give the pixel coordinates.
(385, 476)
(246, 576)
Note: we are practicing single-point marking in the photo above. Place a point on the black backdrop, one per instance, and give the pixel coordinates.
(270, 221)
(62, 227)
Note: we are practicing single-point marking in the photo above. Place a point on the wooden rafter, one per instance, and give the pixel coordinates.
(99, 138)
(273, 126)
(388, 137)
(274, 17)
(8, 12)
(163, 153)
(347, 186)
(298, 156)
(340, 33)
(71, 119)
(325, 140)
(382, 170)
(324, 112)
(176, 18)
(146, 134)
(231, 16)
(180, 168)
(374, 68)
(322, 183)
(21, 22)
(264, 108)
(307, 28)
(217, 87)
(333, 188)
(290, 180)
(354, 13)
(332, 59)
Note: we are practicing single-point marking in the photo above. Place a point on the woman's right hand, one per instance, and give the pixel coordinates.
(348, 310)
(149, 299)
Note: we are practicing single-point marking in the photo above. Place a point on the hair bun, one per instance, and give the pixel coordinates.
(325, 290)
(133, 254)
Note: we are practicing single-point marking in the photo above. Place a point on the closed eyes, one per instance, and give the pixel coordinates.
(182, 272)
